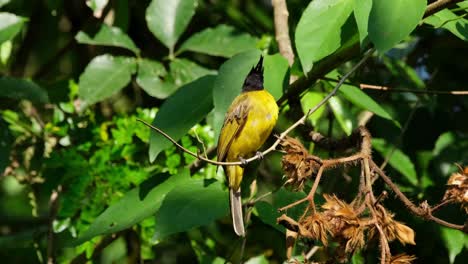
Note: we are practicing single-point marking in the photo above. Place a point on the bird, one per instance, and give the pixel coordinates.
(247, 124)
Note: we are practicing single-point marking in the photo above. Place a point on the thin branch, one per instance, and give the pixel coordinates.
(388, 89)
(423, 211)
(281, 14)
(301, 121)
(437, 6)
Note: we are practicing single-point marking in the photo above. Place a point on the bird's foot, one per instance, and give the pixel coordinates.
(243, 162)
(259, 154)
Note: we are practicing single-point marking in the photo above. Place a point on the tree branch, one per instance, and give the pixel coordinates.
(281, 14)
(437, 6)
(388, 89)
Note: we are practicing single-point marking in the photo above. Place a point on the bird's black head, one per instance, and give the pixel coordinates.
(254, 80)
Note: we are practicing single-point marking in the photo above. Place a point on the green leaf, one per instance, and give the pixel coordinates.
(108, 36)
(167, 19)
(398, 160)
(276, 74)
(342, 114)
(104, 76)
(308, 101)
(229, 83)
(443, 141)
(445, 18)
(223, 41)
(268, 214)
(4, 2)
(184, 71)
(318, 33)
(180, 112)
(361, 99)
(362, 10)
(22, 89)
(138, 204)
(454, 241)
(189, 205)
(257, 260)
(392, 21)
(10, 25)
(97, 5)
(149, 77)
(6, 140)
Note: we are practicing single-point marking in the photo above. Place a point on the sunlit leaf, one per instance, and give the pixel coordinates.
(342, 114)
(167, 19)
(276, 76)
(149, 77)
(190, 205)
(319, 31)
(445, 18)
(398, 160)
(362, 10)
(108, 36)
(10, 25)
(392, 21)
(104, 76)
(223, 41)
(454, 240)
(180, 112)
(310, 100)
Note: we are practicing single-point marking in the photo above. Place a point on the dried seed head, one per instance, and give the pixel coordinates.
(297, 163)
(402, 259)
(318, 226)
(457, 188)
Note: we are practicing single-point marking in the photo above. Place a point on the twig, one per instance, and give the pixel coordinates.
(438, 5)
(281, 14)
(388, 89)
(53, 208)
(281, 136)
(423, 211)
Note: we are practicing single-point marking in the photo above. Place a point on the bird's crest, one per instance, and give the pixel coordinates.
(254, 80)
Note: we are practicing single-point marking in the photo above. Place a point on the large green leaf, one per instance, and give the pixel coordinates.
(392, 21)
(229, 82)
(398, 160)
(445, 18)
(189, 205)
(184, 71)
(108, 36)
(104, 76)
(167, 19)
(362, 10)
(342, 114)
(454, 242)
(136, 205)
(10, 25)
(319, 31)
(223, 41)
(180, 112)
(22, 89)
(276, 74)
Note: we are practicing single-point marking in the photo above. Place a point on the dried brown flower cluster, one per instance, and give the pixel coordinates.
(341, 222)
(457, 188)
(297, 163)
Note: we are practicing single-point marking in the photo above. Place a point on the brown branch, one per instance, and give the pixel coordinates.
(301, 121)
(281, 14)
(388, 89)
(424, 211)
(437, 6)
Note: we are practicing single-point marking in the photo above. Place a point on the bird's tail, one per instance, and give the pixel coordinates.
(236, 211)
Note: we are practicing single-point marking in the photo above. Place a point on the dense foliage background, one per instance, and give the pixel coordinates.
(82, 179)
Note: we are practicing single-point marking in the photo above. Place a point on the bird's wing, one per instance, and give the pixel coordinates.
(234, 122)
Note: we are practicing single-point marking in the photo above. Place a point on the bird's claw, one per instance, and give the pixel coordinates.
(243, 162)
(259, 154)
